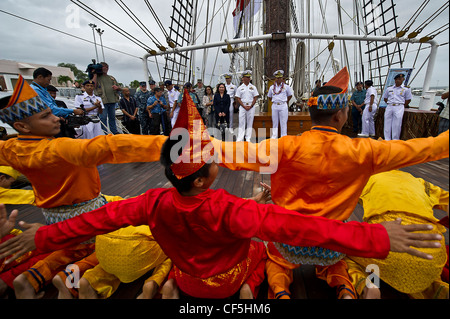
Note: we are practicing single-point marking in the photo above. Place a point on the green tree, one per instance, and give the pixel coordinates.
(80, 76)
(63, 79)
(134, 84)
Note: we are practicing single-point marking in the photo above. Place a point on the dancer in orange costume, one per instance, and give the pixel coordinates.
(326, 171)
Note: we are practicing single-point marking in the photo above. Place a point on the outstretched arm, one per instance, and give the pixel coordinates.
(103, 220)
(273, 223)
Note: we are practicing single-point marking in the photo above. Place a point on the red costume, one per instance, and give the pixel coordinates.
(210, 233)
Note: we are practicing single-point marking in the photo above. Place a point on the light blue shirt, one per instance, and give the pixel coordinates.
(47, 98)
(158, 109)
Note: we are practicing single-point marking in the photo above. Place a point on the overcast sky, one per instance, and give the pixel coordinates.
(28, 42)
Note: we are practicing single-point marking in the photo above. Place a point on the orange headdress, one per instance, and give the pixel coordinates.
(24, 102)
(198, 149)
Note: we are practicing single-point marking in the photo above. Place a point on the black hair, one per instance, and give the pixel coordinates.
(368, 82)
(217, 88)
(319, 116)
(184, 184)
(41, 71)
(209, 86)
(4, 101)
(157, 89)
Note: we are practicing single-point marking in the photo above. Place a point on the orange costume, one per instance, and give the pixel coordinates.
(322, 173)
(63, 171)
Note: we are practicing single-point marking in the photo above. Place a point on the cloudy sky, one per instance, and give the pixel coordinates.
(28, 42)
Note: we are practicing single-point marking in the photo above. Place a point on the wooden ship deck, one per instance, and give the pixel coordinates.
(135, 178)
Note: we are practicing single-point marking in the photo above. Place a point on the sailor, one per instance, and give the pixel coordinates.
(279, 94)
(231, 90)
(93, 106)
(246, 96)
(397, 98)
(173, 95)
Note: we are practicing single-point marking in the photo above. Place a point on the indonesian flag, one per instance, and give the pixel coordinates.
(245, 9)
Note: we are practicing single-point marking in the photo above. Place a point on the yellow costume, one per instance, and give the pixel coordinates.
(15, 196)
(396, 194)
(125, 255)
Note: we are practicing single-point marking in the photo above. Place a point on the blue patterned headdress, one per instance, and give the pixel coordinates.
(336, 100)
(23, 103)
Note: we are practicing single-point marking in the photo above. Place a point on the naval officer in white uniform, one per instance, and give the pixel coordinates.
(397, 98)
(93, 106)
(246, 96)
(231, 91)
(279, 94)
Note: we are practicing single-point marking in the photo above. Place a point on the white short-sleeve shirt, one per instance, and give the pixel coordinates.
(369, 92)
(173, 96)
(280, 93)
(246, 93)
(88, 101)
(397, 94)
(231, 90)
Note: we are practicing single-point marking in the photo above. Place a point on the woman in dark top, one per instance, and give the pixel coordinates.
(221, 104)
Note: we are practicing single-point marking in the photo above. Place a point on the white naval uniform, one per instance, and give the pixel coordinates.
(393, 116)
(368, 121)
(89, 130)
(246, 94)
(231, 91)
(280, 110)
(173, 97)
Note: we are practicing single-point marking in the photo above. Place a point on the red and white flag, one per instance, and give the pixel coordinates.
(244, 10)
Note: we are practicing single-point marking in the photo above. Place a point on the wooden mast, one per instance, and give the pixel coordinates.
(277, 21)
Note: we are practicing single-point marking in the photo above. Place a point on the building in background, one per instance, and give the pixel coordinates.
(10, 70)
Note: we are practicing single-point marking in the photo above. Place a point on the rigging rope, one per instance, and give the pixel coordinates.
(414, 16)
(111, 25)
(428, 21)
(138, 22)
(155, 16)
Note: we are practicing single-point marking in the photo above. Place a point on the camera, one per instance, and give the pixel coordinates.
(441, 107)
(3, 132)
(94, 68)
(79, 120)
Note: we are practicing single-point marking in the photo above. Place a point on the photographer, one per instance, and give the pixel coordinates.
(107, 88)
(66, 130)
(93, 106)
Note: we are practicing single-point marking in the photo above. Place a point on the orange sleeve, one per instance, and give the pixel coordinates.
(263, 157)
(121, 148)
(389, 155)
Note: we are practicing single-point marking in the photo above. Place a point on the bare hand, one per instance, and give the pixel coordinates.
(78, 112)
(264, 196)
(402, 237)
(7, 224)
(20, 244)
